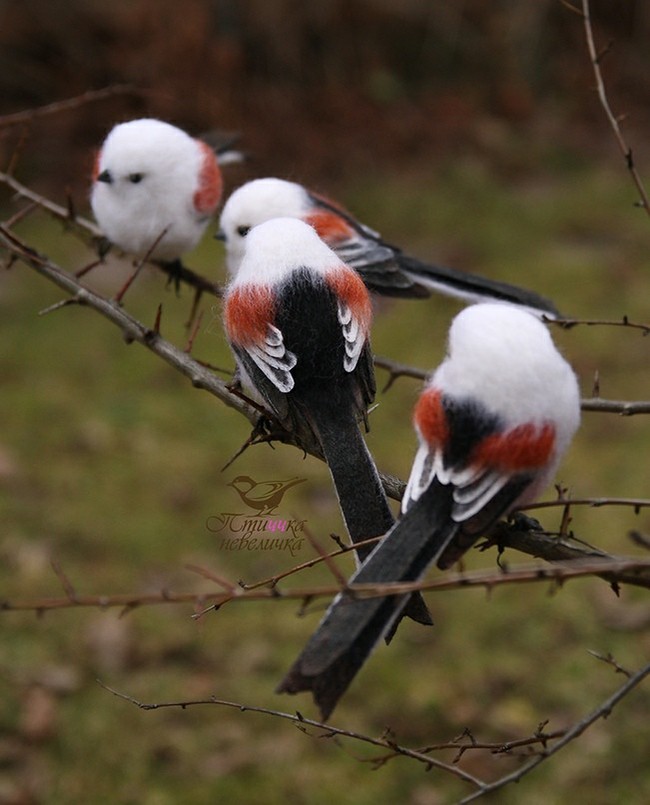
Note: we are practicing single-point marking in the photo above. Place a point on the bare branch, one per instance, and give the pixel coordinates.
(602, 711)
(613, 569)
(624, 148)
(609, 659)
(396, 370)
(91, 96)
(636, 503)
(623, 407)
(562, 549)
(119, 296)
(299, 720)
(91, 235)
(131, 328)
(386, 741)
(466, 742)
(569, 324)
(82, 226)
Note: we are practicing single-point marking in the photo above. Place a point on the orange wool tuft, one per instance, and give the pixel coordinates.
(208, 194)
(429, 416)
(525, 447)
(95, 171)
(349, 288)
(248, 312)
(329, 226)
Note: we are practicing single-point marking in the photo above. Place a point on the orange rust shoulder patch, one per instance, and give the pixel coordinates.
(429, 416)
(349, 288)
(525, 447)
(208, 194)
(330, 227)
(248, 311)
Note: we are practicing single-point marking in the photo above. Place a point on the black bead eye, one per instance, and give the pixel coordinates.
(243, 230)
(135, 178)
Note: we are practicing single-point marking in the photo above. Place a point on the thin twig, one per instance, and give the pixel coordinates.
(273, 580)
(396, 370)
(132, 329)
(609, 659)
(636, 503)
(602, 711)
(631, 571)
(81, 225)
(569, 324)
(195, 330)
(91, 96)
(595, 403)
(302, 722)
(91, 234)
(18, 216)
(625, 150)
(494, 747)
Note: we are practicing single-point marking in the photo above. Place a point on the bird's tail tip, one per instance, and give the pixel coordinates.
(296, 682)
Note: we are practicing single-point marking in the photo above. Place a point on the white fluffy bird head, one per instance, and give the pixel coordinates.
(152, 178)
(255, 203)
(279, 246)
(506, 357)
(502, 407)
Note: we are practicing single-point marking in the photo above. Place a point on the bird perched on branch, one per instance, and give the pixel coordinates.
(493, 423)
(298, 321)
(155, 189)
(384, 268)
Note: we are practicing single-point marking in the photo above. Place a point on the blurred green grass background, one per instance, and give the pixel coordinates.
(110, 464)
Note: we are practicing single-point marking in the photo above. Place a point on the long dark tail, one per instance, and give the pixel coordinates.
(361, 496)
(352, 626)
(472, 287)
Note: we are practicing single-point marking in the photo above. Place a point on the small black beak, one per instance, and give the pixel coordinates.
(105, 176)
(220, 235)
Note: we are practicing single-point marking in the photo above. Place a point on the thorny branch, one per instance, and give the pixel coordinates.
(302, 723)
(90, 234)
(467, 742)
(86, 229)
(131, 328)
(545, 748)
(615, 570)
(602, 711)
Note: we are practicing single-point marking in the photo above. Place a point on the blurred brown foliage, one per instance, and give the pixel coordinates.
(314, 87)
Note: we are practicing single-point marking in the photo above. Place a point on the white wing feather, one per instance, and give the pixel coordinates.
(353, 335)
(274, 360)
(474, 486)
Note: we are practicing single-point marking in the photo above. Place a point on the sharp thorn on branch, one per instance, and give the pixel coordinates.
(71, 300)
(195, 330)
(156, 324)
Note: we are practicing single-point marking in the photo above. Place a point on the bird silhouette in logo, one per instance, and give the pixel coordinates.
(265, 496)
